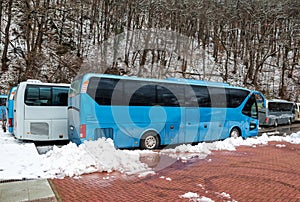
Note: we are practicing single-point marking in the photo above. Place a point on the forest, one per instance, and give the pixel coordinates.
(249, 43)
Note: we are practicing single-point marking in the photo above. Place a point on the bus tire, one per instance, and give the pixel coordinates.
(235, 132)
(150, 140)
(4, 129)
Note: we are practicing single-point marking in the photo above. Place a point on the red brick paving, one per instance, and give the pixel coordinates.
(261, 173)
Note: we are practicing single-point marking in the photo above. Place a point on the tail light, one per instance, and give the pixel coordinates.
(267, 119)
(82, 131)
(10, 122)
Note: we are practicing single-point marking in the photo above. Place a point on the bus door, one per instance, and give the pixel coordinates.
(185, 128)
(262, 112)
(250, 109)
(192, 123)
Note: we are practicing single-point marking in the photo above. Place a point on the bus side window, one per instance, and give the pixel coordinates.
(202, 96)
(144, 96)
(218, 97)
(102, 91)
(235, 97)
(166, 96)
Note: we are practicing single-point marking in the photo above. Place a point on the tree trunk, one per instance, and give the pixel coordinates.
(4, 58)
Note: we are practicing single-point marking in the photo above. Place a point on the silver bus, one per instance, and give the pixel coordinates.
(40, 112)
(297, 111)
(277, 112)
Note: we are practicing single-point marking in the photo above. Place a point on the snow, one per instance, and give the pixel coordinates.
(195, 197)
(22, 161)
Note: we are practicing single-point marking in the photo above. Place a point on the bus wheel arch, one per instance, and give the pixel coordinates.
(235, 132)
(150, 140)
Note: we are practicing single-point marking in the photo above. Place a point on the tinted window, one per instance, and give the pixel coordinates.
(144, 96)
(170, 95)
(46, 96)
(280, 107)
(250, 108)
(2, 101)
(202, 96)
(218, 97)
(59, 96)
(104, 91)
(235, 97)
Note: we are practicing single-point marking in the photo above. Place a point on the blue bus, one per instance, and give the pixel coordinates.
(3, 99)
(148, 113)
(10, 109)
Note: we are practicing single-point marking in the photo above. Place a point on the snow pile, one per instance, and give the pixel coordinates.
(21, 160)
(201, 150)
(91, 156)
(293, 138)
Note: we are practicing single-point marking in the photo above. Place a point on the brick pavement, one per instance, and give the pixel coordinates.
(261, 173)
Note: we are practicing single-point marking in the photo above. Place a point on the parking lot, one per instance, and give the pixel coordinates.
(257, 172)
(261, 173)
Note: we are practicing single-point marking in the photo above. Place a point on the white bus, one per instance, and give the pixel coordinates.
(40, 111)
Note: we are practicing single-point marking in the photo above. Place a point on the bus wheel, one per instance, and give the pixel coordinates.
(235, 133)
(150, 140)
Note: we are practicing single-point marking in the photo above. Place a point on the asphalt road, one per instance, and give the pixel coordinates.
(281, 130)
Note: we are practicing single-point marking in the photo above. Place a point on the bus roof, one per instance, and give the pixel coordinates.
(168, 80)
(280, 101)
(199, 82)
(35, 82)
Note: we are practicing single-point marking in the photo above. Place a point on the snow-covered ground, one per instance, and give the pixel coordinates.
(22, 161)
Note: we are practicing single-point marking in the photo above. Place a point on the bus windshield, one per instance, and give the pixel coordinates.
(36, 95)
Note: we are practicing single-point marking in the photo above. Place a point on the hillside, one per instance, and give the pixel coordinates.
(254, 44)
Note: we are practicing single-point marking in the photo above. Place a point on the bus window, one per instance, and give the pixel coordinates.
(202, 95)
(59, 96)
(101, 90)
(260, 101)
(250, 108)
(235, 97)
(218, 97)
(144, 96)
(166, 97)
(2, 101)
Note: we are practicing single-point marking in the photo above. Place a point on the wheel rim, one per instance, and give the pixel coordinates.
(150, 142)
(234, 133)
